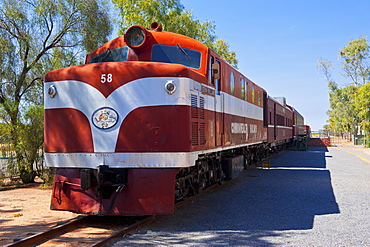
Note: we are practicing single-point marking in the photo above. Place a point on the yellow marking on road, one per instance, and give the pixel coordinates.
(355, 154)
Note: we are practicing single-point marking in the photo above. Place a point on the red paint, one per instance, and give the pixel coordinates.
(143, 131)
(122, 73)
(67, 131)
(154, 37)
(149, 191)
(280, 121)
(155, 129)
(319, 142)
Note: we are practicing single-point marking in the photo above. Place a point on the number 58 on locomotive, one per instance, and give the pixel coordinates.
(152, 117)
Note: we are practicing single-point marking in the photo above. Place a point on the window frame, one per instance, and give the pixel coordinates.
(232, 83)
(157, 56)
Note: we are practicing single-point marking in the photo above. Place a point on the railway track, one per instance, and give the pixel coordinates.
(93, 230)
(85, 231)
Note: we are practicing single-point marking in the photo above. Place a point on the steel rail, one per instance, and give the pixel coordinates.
(56, 231)
(49, 234)
(124, 231)
(52, 233)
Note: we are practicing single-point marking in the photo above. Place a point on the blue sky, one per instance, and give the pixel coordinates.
(278, 44)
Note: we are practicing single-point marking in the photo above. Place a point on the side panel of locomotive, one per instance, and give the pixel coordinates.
(239, 107)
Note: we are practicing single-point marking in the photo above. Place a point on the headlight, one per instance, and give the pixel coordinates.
(170, 87)
(52, 91)
(136, 37)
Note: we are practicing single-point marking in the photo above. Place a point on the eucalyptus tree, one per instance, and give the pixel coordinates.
(355, 57)
(349, 103)
(173, 17)
(37, 36)
(362, 105)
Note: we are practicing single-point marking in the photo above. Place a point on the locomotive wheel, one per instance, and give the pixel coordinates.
(191, 181)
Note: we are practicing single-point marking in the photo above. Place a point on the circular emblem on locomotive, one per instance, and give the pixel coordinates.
(105, 118)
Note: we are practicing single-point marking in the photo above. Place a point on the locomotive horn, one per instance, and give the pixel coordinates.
(155, 26)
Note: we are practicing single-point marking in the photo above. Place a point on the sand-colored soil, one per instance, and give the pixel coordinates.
(25, 211)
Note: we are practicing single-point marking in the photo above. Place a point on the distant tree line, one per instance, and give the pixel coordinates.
(350, 104)
(37, 36)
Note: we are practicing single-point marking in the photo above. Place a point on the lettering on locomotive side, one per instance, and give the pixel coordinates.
(239, 128)
(242, 128)
(253, 128)
(208, 91)
(204, 89)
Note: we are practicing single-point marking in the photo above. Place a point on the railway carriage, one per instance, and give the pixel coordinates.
(150, 118)
(280, 123)
(298, 122)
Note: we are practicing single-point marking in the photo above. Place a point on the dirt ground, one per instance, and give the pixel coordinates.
(25, 210)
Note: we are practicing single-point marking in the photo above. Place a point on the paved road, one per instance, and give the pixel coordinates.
(320, 197)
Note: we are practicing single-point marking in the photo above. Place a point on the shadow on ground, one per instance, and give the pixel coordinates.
(257, 204)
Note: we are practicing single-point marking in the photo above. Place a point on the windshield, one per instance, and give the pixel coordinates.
(176, 54)
(114, 55)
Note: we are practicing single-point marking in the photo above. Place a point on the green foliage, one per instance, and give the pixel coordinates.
(363, 101)
(350, 104)
(354, 60)
(29, 146)
(222, 48)
(33, 135)
(94, 24)
(362, 106)
(344, 116)
(37, 36)
(173, 17)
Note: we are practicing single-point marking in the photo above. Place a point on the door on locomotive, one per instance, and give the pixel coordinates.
(214, 73)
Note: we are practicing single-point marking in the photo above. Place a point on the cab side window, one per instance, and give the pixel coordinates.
(243, 88)
(252, 94)
(232, 83)
(259, 97)
(211, 80)
(214, 74)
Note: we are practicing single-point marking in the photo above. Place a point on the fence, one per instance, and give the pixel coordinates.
(8, 162)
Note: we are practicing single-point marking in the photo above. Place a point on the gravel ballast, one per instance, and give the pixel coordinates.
(319, 197)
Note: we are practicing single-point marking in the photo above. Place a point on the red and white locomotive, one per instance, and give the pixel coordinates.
(151, 117)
